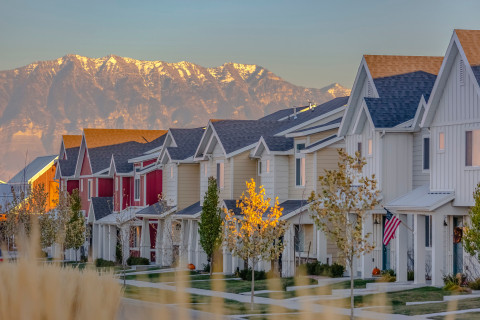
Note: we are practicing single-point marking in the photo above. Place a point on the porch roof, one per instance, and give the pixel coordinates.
(421, 199)
(192, 210)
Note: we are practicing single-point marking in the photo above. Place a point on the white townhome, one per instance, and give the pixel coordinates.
(452, 123)
(289, 164)
(381, 122)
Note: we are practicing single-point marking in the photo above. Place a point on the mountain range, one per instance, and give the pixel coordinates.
(43, 100)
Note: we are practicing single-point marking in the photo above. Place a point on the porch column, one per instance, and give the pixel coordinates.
(159, 243)
(438, 249)
(94, 242)
(125, 242)
(100, 241)
(367, 258)
(113, 243)
(419, 248)
(145, 239)
(167, 245)
(288, 261)
(401, 249)
(190, 242)
(321, 245)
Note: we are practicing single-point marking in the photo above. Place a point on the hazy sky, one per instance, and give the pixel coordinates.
(309, 43)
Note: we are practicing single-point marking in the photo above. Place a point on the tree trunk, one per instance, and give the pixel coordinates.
(253, 285)
(351, 289)
(211, 265)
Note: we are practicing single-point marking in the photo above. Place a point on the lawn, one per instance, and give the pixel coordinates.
(460, 316)
(171, 276)
(198, 302)
(323, 290)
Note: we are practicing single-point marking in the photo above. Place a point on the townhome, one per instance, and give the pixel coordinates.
(452, 121)
(104, 155)
(67, 159)
(289, 164)
(381, 123)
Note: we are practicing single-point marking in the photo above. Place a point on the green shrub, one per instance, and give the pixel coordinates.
(101, 263)
(387, 277)
(390, 272)
(206, 267)
(474, 284)
(336, 270)
(134, 261)
(410, 275)
(246, 274)
(456, 282)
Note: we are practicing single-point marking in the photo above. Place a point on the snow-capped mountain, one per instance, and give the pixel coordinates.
(45, 99)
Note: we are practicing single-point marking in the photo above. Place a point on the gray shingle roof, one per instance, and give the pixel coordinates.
(335, 121)
(31, 169)
(277, 115)
(279, 143)
(292, 205)
(399, 97)
(67, 166)
(102, 207)
(232, 206)
(154, 209)
(187, 141)
(321, 141)
(190, 210)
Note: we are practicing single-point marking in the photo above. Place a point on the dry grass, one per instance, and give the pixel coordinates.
(32, 289)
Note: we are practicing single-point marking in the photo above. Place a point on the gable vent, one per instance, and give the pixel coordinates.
(461, 72)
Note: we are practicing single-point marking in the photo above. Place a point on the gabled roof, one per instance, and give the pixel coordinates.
(421, 199)
(290, 207)
(321, 144)
(397, 84)
(279, 143)
(192, 210)
(102, 207)
(34, 168)
(122, 144)
(186, 141)
(335, 123)
(157, 209)
(466, 43)
(72, 140)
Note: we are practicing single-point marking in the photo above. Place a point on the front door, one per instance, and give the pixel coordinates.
(457, 245)
(385, 249)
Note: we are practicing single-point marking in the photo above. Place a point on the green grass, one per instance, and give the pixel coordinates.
(460, 316)
(198, 302)
(170, 276)
(323, 290)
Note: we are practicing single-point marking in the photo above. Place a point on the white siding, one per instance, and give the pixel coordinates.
(281, 177)
(267, 178)
(170, 183)
(457, 112)
(420, 177)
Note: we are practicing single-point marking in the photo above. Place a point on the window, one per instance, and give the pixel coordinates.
(136, 188)
(370, 147)
(441, 141)
(472, 148)
(81, 185)
(220, 175)
(428, 231)
(300, 146)
(299, 238)
(267, 169)
(90, 184)
(116, 183)
(359, 149)
(426, 153)
(300, 171)
(260, 167)
(171, 171)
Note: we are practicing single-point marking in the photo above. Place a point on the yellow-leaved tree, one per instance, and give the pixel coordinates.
(340, 209)
(256, 232)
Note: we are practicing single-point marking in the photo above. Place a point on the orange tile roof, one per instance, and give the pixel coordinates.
(381, 66)
(71, 140)
(106, 137)
(470, 40)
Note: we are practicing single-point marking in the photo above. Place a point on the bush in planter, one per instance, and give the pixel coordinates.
(246, 274)
(102, 263)
(410, 275)
(133, 261)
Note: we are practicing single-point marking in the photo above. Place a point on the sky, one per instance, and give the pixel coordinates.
(308, 43)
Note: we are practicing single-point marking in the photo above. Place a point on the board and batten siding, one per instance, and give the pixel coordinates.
(244, 169)
(458, 111)
(327, 159)
(420, 177)
(188, 184)
(300, 192)
(397, 165)
(266, 179)
(281, 172)
(170, 183)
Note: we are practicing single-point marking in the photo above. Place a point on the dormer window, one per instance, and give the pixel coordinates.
(267, 166)
(441, 141)
(136, 188)
(260, 167)
(90, 189)
(426, 153)
(370, 147)
(472, 148)
(220, 175)
(359, 149)
(299, 147)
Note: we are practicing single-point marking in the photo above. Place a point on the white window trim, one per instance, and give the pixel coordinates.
(89, 189)
(259, 167)
(205, 169)
(369, 144)
(221, 178)
(171, 171)
(116, 184)
(267, 166)
(464, 150)
(135, 178)
(304, 142)
(81, 185)
(423, 153)
(444, 142)
(302, 181)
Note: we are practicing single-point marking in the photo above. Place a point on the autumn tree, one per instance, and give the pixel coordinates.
(75, 229)
(210, 225)
(255, 233)
(471, 234)
(339, 210)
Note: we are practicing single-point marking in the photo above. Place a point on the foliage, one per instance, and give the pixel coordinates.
(389, 272)
(340, 208)
(102, 263)
(455, 282)
(474, 284)
(387, 277)
(75, 231)
(134, 261)
(206, 267)
(337, 270)
(410, 275)
(322, 269)
(210, 225)
(471, 233)
(255, 234)
(246, 274)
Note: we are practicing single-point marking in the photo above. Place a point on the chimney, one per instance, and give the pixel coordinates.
(294, 112)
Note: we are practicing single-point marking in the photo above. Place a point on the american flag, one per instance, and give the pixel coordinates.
(391, 226)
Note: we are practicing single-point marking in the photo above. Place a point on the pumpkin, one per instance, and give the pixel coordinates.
(375, 272)
(191, 266)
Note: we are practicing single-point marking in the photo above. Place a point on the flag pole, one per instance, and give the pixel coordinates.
(406, 226)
